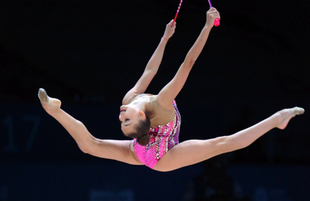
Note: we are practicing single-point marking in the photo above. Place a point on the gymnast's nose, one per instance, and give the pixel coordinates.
(120, 117)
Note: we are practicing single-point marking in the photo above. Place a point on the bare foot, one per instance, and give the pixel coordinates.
(287, 114)
(48, 103)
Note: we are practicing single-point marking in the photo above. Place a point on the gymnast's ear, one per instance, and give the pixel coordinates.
(142, 115)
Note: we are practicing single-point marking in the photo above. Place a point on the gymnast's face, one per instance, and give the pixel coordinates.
(129, 117)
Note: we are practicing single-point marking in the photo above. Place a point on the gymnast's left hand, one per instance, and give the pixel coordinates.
(170, 28)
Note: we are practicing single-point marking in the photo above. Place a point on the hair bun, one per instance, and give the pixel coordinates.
(143, 140)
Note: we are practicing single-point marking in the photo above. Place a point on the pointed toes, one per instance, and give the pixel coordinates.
(42, 95)
(298, 110)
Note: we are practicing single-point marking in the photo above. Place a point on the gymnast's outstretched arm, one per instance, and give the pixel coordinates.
(172, 89)
(109, 149)
(152, 66)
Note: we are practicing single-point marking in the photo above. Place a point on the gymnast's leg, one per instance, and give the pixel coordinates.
(110, 149)
(194, 151)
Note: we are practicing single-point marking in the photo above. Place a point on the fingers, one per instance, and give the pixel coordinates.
(212, 9)
(213, 13)
(172, 23)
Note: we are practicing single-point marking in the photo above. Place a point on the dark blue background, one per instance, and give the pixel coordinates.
(89, 53)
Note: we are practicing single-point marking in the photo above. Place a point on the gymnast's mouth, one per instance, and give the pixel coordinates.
(123, 108)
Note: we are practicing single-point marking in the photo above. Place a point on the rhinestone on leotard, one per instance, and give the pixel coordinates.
(162, 139)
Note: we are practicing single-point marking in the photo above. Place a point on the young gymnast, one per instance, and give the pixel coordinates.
(154, 120)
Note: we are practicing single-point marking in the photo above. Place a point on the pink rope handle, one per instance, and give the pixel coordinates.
(176, 15)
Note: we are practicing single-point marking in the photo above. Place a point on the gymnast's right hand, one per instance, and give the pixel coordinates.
(170, 28)
(212, 14)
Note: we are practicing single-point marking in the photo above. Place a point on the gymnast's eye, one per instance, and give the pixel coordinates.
(127, 122)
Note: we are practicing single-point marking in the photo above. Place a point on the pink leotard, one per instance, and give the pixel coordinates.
(162, 138)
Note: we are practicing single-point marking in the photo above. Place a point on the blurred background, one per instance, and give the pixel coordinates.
(90, 53)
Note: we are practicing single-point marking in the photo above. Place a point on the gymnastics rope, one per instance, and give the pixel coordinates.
(176, 15)
(216, 21)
